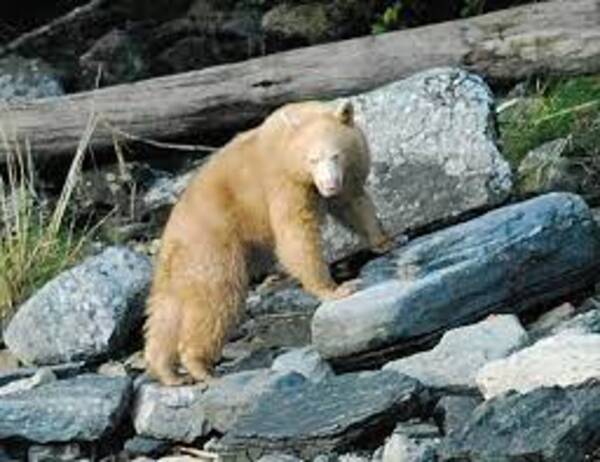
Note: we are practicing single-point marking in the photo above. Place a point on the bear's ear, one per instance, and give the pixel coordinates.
(345, 113)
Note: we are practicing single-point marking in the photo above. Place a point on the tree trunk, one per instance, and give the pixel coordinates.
(556, 37)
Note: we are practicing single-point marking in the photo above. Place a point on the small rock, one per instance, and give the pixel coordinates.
(564, 359)
(331, 415)
(85, 313)
(400, 447)
(62, 371)
(147, 447)
(55, 453)
(452, 412)
(548, 424)
(113, 369)
(584, 323)
(41, 377)
(463, 351)
(27, 79)
(170, 413)
(305, 361)
(85, 408)
(279, 457)
(550, 320)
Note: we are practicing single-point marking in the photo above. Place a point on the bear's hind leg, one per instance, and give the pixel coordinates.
(213, 301)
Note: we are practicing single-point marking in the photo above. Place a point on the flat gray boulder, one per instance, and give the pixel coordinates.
(547, 425)
(565, 359)
(507, 260)
(434, 153)
(461, 353)
(85, 313)
(85, 408)
(326, 416)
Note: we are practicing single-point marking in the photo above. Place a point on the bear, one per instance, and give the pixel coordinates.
(262, 190)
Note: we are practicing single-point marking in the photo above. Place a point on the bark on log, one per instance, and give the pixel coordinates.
(557, 37)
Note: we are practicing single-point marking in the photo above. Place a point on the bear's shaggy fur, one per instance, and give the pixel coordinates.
(261, 190)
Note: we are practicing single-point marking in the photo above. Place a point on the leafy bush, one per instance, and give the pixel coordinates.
(554, 109)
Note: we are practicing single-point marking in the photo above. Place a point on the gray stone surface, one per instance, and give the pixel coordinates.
(27, 79)
(433, 147)
(305, 361)
(279, 457)
(236, 394)
(85, 408)
(507, 260)
(547, 425)
(564, 359)
(171, 413)
(454, 362)
(330, 415)
(583, 323)
(85, 313)
(452, 412)
(400, 447)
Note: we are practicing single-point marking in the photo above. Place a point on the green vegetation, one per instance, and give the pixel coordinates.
(35, 243)
(554, 109)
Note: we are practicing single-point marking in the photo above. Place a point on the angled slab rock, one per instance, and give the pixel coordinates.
(433, 131)
(85, 408)
(85, 313)
(564, 359)
(330, 415)
(507, 260)
(547, 425)
(454, 362)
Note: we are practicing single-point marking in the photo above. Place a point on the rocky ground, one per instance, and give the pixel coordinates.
(476, 340)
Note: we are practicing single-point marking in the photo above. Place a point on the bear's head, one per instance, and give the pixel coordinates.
(324, 143)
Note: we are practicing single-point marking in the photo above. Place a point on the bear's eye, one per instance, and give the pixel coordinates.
(313, 160)
(335, 157)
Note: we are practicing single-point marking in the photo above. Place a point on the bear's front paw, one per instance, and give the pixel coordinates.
(346, 289)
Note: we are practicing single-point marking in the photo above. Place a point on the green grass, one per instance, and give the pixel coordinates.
(36, 242)
(555, 109)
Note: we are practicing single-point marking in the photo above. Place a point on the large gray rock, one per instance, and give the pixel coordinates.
(434, 154)
(548, 424)
(507, 260)
(330, 415)
(26, 79)
(452, 412)
(85, 313)
(304, 361)
(565, 359)
(85, 408)
(454, 362)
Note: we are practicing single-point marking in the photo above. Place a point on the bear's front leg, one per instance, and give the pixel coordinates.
(357, 211)
(295, 224)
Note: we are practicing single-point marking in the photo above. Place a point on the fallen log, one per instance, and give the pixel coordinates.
(556, 37)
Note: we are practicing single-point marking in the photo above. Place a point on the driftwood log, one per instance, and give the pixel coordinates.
(556, 37)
